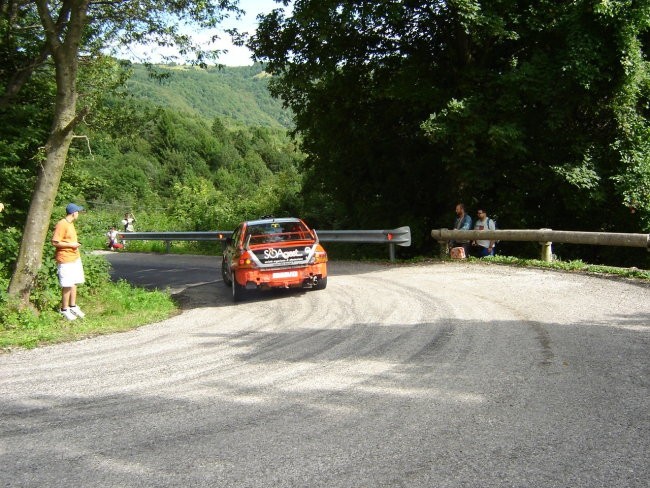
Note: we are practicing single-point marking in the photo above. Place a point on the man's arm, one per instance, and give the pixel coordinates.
(491, 226)
(59, 243)
(467, 223)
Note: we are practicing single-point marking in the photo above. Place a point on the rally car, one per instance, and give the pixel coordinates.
(273, 253)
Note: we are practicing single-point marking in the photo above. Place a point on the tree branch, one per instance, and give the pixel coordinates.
(73, 123)
(53, 32)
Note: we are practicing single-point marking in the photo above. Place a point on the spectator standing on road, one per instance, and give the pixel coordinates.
(484, 247)
(127, 222)
(462, 222)
(68, 259)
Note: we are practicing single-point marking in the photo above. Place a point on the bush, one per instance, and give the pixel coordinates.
(9, 245)
(46, 293)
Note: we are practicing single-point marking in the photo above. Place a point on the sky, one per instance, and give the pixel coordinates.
(240, 56)
(236, 56)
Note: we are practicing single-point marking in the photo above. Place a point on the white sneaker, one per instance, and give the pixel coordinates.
(77, 311)
(68, 314)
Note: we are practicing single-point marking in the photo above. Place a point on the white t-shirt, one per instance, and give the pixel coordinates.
(485, 224)
(128, 224)
(112, 235)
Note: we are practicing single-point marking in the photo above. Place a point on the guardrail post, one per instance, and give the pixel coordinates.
(444, 248)
(391, 252)
(168, 245)
(547, 250)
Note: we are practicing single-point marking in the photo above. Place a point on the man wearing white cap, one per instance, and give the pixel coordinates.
(68, 259)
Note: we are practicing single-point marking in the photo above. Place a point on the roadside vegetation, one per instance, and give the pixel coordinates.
(110, 307)
(539, 114)
(570, 266)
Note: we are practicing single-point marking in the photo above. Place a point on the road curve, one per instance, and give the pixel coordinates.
(434, 375)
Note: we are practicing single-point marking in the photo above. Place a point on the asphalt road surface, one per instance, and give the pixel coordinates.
(434, 375)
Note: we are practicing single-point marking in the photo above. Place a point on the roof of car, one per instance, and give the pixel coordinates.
(281, 220)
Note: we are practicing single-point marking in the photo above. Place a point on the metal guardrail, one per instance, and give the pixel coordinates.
(546, 237)
(217, 235)
(395, 237)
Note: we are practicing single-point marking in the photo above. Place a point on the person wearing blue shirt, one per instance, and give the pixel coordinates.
(463, 222)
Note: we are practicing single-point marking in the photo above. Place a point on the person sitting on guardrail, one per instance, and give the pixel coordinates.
(463, 222)
(482, 247)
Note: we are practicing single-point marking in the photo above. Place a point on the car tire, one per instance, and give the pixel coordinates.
(237, 291)
(224, 274)
(321, 284)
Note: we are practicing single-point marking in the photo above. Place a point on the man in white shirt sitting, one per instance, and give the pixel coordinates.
(483, 248)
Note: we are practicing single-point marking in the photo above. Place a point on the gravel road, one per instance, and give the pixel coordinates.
(433, 375)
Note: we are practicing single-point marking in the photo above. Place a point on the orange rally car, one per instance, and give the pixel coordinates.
(273, 253)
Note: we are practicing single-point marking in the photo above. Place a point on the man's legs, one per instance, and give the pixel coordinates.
(68, 296)
(483, 252)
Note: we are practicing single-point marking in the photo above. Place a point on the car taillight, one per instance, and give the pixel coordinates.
(320, 256)
(245, 260)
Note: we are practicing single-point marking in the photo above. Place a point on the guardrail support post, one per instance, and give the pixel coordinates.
(444, 248)
(547, 250)
(391, 252)
(168, 245)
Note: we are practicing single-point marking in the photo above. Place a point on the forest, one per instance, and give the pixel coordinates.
(153, 149)
(356, 115)
(535, 111)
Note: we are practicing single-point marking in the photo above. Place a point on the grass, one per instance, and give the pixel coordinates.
(572, 266)
(569, 266)
(109, 307)
(115, 307)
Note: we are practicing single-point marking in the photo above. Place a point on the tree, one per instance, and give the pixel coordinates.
(536, 109)
(69, 33)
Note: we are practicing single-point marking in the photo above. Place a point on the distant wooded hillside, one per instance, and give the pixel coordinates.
(237, 93)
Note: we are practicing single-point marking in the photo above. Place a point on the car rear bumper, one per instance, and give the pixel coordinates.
(281, 277)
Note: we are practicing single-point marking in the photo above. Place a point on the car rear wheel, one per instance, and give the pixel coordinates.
(224, 273)
(321, 284)
(237, 290)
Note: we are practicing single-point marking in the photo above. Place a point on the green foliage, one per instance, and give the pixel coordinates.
(111, 308)
(234, 93)
(574, 265)
(9, 244)
(536, 111)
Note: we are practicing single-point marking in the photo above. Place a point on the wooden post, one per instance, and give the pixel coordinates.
(444, 248)
(547, 250)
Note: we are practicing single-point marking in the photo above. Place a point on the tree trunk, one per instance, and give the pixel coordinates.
(30, 255)
(65, 55)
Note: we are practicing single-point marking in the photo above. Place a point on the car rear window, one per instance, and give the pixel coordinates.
(276, 232)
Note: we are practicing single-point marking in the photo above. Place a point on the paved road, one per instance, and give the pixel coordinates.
(437, 375)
